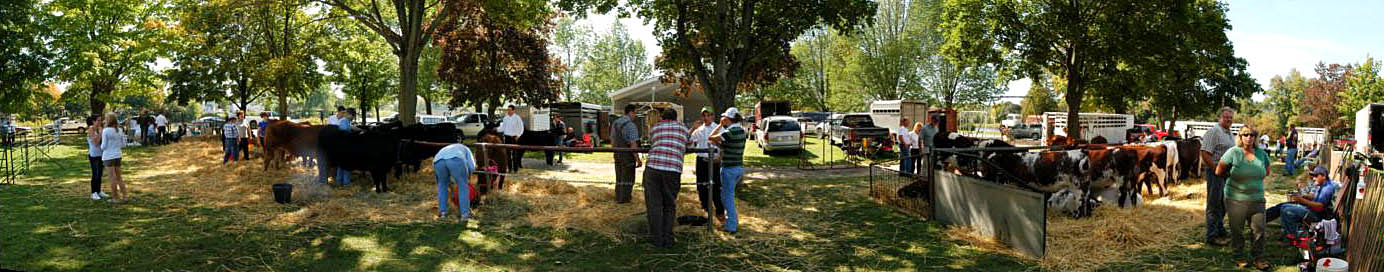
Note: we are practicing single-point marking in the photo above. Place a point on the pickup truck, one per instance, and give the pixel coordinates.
(1144, 132)
(856, 134)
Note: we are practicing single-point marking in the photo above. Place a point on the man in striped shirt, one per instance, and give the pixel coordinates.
(732, 144)
(663, 177)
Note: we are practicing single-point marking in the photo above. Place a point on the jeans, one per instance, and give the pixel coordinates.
(1292, 215)
(229, 144)
(730, 176)
(709, 186)
(450, 172)
(906, 162)
(1215, 204)
(96, 170)
(1242, 213)
(1292, 156)
(245, 148)
(343, 176)
(661, 201)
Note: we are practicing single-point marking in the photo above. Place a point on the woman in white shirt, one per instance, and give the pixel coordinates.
(111, 143)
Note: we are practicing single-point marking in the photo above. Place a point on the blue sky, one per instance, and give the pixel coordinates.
(1274, 36)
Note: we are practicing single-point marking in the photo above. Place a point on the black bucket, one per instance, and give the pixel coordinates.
(283, 193)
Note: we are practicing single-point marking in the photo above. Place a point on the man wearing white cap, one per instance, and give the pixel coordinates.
(731, 142)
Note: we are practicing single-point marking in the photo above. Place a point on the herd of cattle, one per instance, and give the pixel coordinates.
(1073, 174)
(380, 149)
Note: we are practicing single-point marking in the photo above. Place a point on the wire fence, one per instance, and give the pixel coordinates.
(19, 150)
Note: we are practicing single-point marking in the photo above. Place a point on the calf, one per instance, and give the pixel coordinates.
(1113, 168)
(371, 151)
(1189, 156)
(490, 159)
(286, 139)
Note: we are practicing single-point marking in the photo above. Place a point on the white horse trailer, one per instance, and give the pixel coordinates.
(1111, 126)
(1313, 136)
(1369, 122)
(886, 113)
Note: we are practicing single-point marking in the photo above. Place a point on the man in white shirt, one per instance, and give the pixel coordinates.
(512, 127)
(906, 142)
(708, 170)
(161, 123)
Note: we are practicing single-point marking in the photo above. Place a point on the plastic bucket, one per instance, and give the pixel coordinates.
(1332, 265)
(283, 193)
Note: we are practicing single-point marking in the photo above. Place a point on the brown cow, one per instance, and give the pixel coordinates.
(286, 139)
(490, 159)
(1152, 165)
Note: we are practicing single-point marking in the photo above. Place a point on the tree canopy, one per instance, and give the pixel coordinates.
(105, 44)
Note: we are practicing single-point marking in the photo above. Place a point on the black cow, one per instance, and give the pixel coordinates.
(434, 133)
(371, 151)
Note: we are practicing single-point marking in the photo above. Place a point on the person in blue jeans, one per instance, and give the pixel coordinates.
(343, 176)
(453, 165)
(732, 145)
(1313, 201)
(229, 132)
(1291, 167)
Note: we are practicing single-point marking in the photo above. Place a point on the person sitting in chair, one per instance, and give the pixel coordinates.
(1310, 203)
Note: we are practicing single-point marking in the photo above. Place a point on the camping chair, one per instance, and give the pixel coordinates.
(585, 141)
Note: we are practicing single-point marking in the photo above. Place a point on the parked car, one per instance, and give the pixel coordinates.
(431, 119)
(810, 121)
(1030, 131)
(66, 124)
(856, 134)
(471, 123)
(779, 133)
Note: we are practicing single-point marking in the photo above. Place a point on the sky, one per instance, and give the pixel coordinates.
(1273, 36)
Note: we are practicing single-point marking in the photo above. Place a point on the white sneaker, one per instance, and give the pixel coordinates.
(95, 196)
(104, 195)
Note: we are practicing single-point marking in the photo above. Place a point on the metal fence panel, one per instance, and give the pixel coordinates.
(1365, 241)
(1015, 217)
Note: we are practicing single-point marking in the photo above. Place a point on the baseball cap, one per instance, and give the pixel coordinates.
(731, 112)
(707, 109)
(1319, 171)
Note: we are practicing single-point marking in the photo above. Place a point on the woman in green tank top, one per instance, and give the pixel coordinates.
(1244, 167)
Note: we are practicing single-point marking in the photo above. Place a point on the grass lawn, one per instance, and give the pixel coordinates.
(49, 225)
(815, 152)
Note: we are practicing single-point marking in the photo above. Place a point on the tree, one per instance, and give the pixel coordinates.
(816, 47)
(23, 55)
(1082, 41)
(430, 87)
(569, 41)
(489, 57)
(615, 61)
(890, 50)
(1002, 110)
(1320, 98)
(1284, 95)
(361, 65)
(1192, 69)
(1040, 98)
(106, 44)
(219, 56)
(1364, 86)
(730, 45)
(288, 41)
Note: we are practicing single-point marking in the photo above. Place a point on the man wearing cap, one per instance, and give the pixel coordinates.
(731, 142)
(1312, 201)
(624, 133)
(708, 170)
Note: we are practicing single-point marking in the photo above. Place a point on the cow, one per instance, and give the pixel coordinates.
(432, 133)
(1113, 168)
(490, 159)
(1189, 156)
(286, 139)
(1050, 172)
(1152, 168)
(1099, 140)
(371, 151)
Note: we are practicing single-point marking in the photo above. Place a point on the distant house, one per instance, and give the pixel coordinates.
(653, 90)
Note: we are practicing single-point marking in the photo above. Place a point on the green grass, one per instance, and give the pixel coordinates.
(47, 227)
(815, 152)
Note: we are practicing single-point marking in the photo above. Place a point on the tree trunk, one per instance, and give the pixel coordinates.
(427, 104)
(283, 102)
(377, 114)
(408, 99)
(1075, 88)
(98, 106)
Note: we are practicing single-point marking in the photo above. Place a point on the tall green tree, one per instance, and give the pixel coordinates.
(1364, 86)
(218, 56)
(361, 64)
(890, 50)
(288, 40)
(613, 62)
(570, 43)
(1284, 95)
(1081, 41)
(1193, 69)
(1040, 98)
(430, 87)
(23, 55)
(727, 45)
(105, 44)
(816, 49)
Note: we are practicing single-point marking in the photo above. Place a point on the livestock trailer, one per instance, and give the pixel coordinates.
(536, 118)
(1111, 126)
(648, 116)
(1189, 129)
(887, 113)
(1312, 136)
(1369, 123)
(582, 118)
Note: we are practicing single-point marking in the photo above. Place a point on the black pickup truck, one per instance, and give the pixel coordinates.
(856, 134)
